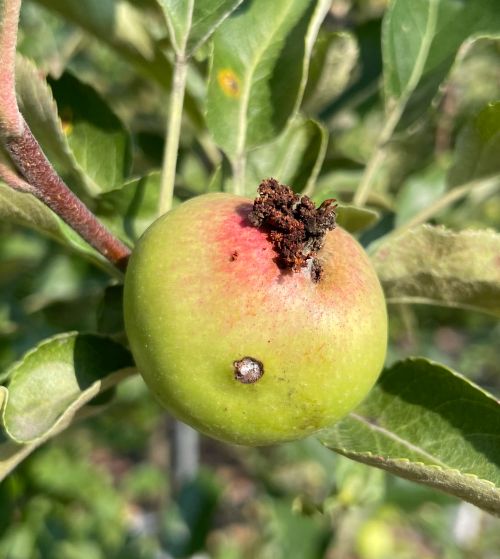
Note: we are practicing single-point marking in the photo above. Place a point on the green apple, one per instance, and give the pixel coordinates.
(239, 348)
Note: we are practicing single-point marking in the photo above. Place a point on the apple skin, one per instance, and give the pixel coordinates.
(203, 290)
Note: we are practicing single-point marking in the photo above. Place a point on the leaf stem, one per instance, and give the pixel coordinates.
(398, 107)
(239, 170)
(378, 157)
(174, 120)
(447, 199)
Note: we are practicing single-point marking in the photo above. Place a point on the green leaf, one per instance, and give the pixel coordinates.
(477, 148)
(58, 377)
(333, 61)
(39, 109)
(421, 40)
(24, 209)
(92, 152)
(432, 265)
(46, 39)
(258, 70)
(192, 22)
(419, 192)
(12, 453)
(98, 139)
(427, 423)
(123, 27)
(365, 83)
(130, 33)
(130, 210)
(354, 218)
(295, 158)
(342, 183)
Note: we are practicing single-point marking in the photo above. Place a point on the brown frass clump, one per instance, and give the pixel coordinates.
(296, 227)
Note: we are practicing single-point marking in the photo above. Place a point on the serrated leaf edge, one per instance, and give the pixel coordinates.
(381, 458)
(396, 466)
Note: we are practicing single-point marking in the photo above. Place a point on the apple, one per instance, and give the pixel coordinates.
(239, 347)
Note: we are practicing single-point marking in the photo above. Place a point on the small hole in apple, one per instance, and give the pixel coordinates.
(248, 370)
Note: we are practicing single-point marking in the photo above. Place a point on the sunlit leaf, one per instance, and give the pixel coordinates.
(421, 41)
(257, 78)
(192, 22)
(123, 27)
(128, 30)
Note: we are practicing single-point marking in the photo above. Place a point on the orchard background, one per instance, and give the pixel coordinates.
(393, 109)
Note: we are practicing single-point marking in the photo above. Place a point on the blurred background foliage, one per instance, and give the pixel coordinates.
(103, 489)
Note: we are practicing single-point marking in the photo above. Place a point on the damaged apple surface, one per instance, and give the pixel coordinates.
(256, 322)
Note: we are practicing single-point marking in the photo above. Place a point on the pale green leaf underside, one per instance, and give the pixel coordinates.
(421, 40)
(12, 453)
(436, 266)
(57, 378)
(413, 425)
(192, 22)
(257, 79)
(24, 209)
(477, 148)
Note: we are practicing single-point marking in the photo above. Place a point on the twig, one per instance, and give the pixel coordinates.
(10, 117)
(378, 157)
(41, 179)
(49, 188)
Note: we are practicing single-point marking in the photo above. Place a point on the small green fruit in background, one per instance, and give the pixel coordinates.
(239, 348)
